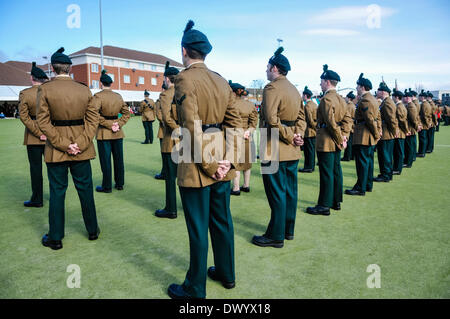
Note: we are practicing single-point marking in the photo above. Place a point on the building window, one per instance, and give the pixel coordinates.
(126, 79)
(126, 64)
(94, 68)
(154, 81)
(141, 80)
(141, 66)
(111, 76)
(71, 75)
(95, 84)
(109, 61)
(153, 67)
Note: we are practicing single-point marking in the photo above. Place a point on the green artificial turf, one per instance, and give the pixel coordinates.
(402, 226)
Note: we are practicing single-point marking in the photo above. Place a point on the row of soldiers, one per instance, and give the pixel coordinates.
(63, 114)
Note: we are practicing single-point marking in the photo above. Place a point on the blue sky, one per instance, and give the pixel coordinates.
(411, 43)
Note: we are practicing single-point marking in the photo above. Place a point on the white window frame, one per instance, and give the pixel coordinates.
(153, 67)
(94, 68)
(124, 78)
(154, 81)
(111, 76)
(95, 84)
(141, 80)
(126, 64)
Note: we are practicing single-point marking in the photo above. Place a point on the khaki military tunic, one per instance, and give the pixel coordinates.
(434, 117)
(425, 115)
(413, 118)
(367, 129)
(249, 117)
(204, 96)
(147, 109)
(169, 119)
(110, 104)
(311, 119)
(352, 109)
(389, 121)
(27, 113)
(402, 119)
(63, 99)
(158, 114)
(282, 104)
(334, 122)
(418, 107)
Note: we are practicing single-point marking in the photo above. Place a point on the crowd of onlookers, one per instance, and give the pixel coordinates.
(9, 110)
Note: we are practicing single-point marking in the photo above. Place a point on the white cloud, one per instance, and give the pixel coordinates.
(331, 32)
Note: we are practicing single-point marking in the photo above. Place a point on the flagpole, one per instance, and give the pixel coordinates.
(101, 33)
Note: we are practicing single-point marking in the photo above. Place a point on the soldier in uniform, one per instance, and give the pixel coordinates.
(205, 103)
(414, 127)
(249, 117)
(434, 122)
(147, 109)
(282, 109)
(427, 123)
(366, 136)
(110, 134)
(160, 134)
(399, 144)
(170, 123)
(385, 147)
(34, 139)
(446, 115)
(348, 153)
(309, 146)
(415, 101)
(69, 119)
(334, 125)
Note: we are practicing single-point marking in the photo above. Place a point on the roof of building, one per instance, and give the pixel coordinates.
(25, 66)
(111, 51)
(10, 75)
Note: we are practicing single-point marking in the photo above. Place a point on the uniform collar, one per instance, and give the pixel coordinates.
(329, 90)
(63, 77)
(280, 77)
(196, 65)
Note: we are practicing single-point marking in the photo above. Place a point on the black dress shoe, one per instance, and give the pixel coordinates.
(380, 179)
(305, 170)
(369, 190)
(159, 176)
(336, 207)
(32, 204)
(162, 213)
(420, 155)
(145, 142)
(102, 190)
(177, 292)
(395, 173)
(213, 275)
(245, 189)
(263, 241)
(236, 193)
(428, 152)
(53, 244)
(119, 188)
(345, 160)
(354, 192)
(289, 237)
(318, 210)
(95, 235)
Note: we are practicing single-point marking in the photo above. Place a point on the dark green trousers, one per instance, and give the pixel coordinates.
(364, 167)
(399, 154)
(348, 153)
(58, 179)
(309, 150)
(414, 141)
(208, 208)
(162, 161)
(410, 150)
(282, 193)
(385, 154)
(105, 149)
(423, 141)
(148, 127)
(35, 155)
(330, 178)
(170, 173)
(430, 138)
(446, 120)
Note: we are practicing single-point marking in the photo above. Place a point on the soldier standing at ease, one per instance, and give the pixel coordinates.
(414, 127)
(309, 146)
(34, 139)
(365, 137)
(110, 134)
(169, 124)
(68, 118)
(205, 103)
(351, 105)
(281, 109)
(147, 109)
(160, 134)
(403, 132)
(434, 122)
(427, 123)
(415, 101)
(334, 124)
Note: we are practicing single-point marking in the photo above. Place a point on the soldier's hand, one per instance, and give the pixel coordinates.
(43, 137)
(73, 149)
(115, 127)
(247, 135)
(298, 140)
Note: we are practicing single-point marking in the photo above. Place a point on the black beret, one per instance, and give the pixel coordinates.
(105, 78)
(170, 70)
(423, 93)
(37, 73)
(307, 92)
(398, 93)
(383, 87)
(429, 94)
(350, 95)
(235, 86)
(408, 93)
(413, 93)
(60, 58)
(195, 40)
(329, 74)
(146, 93)
(280, 61)
(364, 82)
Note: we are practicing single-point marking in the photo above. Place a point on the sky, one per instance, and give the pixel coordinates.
(407, 41)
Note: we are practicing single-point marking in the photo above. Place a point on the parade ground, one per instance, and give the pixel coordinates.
(401, 229)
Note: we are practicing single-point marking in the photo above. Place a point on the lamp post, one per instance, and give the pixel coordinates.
(101, 33)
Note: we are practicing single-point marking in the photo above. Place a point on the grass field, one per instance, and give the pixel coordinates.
(402, 226)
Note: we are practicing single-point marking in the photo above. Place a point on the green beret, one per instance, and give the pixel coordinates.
(429, 94)
(350, 95)
(329, 74)
(170, 70)
(423, 93)
(408, 93)
(307, 92)
(398, 93)
(364, 82)
(195, 40)
(146, 93)
(413, 93)
(383, 87)
(37, 73)
(280, 61)
(59, 58)
(105, 78)
(236, 86)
